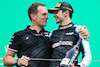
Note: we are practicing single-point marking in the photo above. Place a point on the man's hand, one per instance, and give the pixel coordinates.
(84, 32)
(23, 61)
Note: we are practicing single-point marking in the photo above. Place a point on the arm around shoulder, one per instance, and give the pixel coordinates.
(87, 57)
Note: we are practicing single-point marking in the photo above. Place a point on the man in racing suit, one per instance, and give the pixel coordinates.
(66, 36)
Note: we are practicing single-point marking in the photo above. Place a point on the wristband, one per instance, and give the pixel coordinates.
(15, 62)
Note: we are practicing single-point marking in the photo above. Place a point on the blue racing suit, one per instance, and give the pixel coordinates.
(64, 38)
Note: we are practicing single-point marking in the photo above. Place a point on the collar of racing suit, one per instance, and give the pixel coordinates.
(66, 26)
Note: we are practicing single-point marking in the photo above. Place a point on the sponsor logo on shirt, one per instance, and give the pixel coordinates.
(69, 33)
(68, 43)
(46, 34)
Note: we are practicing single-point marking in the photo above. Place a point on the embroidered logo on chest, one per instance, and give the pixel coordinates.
(69, 33)
(27, 38)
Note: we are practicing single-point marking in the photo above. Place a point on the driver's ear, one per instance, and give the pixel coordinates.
(66, 13)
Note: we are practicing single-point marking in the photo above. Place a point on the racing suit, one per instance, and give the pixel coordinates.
(64, 38)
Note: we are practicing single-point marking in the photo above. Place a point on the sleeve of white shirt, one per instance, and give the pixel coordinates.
(86, 60)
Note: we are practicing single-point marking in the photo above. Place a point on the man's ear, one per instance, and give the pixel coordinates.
(66, 13)
(32, 16)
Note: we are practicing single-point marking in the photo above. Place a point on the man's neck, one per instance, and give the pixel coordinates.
(35, 27)
(65, 22)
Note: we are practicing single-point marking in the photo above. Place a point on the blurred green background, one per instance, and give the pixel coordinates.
(14, 17)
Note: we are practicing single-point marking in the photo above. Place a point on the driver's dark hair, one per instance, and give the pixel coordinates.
(70, 13)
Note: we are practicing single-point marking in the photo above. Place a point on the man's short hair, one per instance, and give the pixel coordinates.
(33, 8)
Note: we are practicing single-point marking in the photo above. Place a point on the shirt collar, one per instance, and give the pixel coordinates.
(34, 31)
(66, 26)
